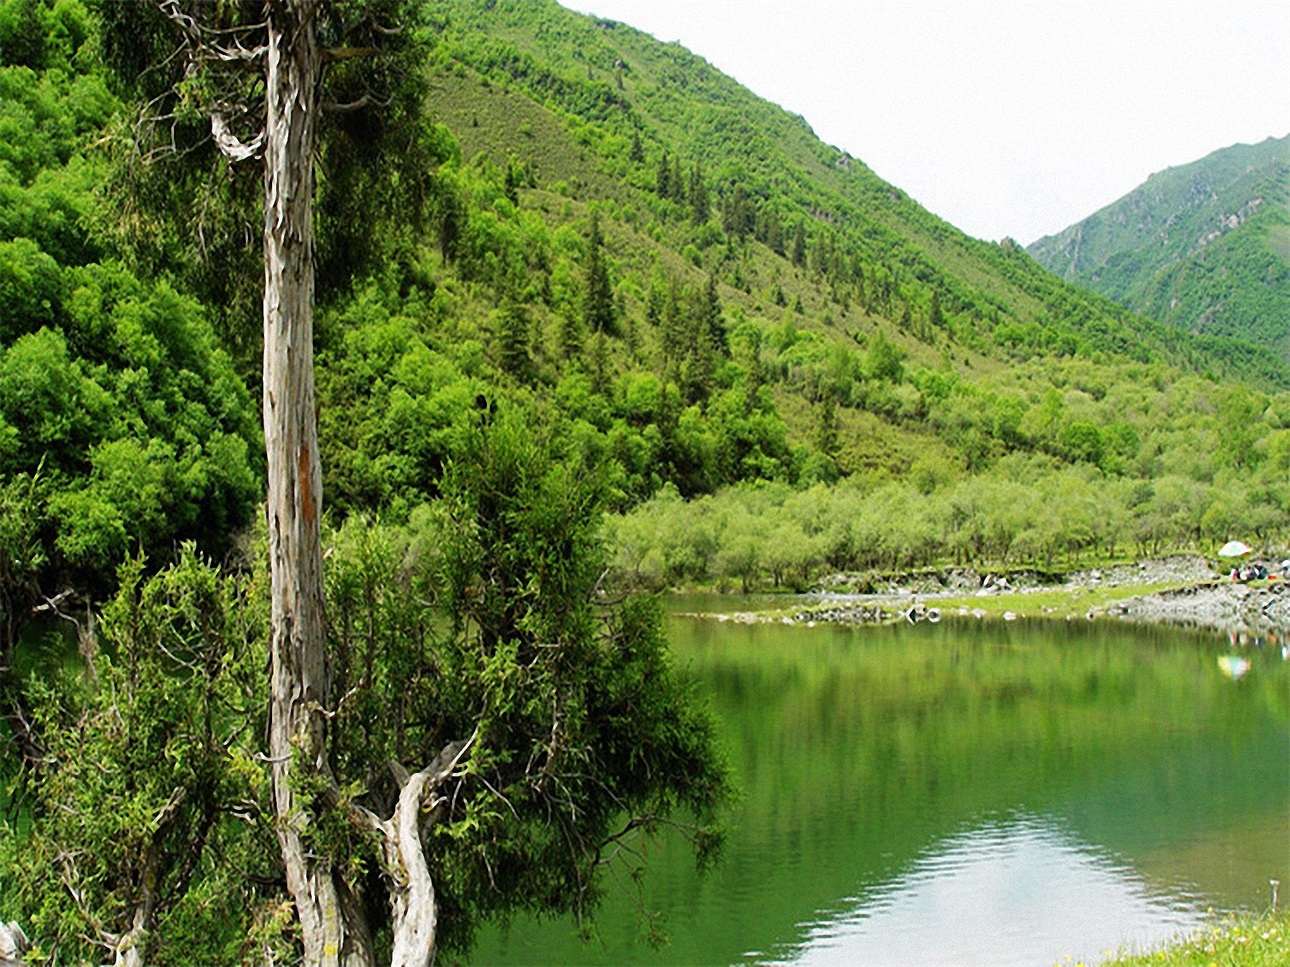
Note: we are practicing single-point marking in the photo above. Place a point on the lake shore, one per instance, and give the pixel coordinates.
(1252, 940)
(1182, 590)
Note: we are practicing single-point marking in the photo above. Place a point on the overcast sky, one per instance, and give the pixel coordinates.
(1005, 117)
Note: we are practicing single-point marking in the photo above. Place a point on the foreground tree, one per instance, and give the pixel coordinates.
(473, 639)
(229, 54)
(258, 75)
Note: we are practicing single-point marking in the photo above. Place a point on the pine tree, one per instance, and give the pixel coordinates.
(934, 317)
(672, 330)
(570, 337)
(598, 312)
(663, 180)
(710, 317)
(598, 365)
(698, 195)
(514, 338)
(799, 244)
(826, 431)
(514, 178)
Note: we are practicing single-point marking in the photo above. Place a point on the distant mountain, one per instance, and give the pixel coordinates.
(1204, 246)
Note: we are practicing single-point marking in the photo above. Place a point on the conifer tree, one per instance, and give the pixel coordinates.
(673, 330)
(598, 309)
(570, 336)
(514, 178)
(935, 319)
(799, 244)
(828, 427)
(698, 194)
(598, 365)
(711, 323)
(350, 820)
(514, 338)
(663, 179)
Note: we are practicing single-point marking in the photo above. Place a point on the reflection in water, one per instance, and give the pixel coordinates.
(960, 792)
(1020, 891)
(1233, 666)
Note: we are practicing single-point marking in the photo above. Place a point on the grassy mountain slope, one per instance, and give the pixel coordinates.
(682, 290)
(612, 82)
(1203, 246)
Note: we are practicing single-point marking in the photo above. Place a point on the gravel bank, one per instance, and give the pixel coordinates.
(1216, 606)
(1178, 569)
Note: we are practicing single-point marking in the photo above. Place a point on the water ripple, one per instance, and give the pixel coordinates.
(1020, 890)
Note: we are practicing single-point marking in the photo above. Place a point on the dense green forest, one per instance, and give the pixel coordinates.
(681, 284)
(603, 283)
(1204, 246)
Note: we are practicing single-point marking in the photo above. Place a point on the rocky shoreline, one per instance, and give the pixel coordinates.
(1196, 597)
(1222, 606)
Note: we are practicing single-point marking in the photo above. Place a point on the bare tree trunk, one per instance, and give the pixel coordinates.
(412, 898)
(332, 930)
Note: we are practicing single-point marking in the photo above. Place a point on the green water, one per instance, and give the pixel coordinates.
(962, 793)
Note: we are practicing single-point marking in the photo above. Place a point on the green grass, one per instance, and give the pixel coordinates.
(1048, 602)
(1244, 939)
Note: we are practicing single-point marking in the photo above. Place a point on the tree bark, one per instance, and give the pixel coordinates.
(412, 898)
(332, 930)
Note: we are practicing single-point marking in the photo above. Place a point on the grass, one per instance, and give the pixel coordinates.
(1241, 940)
(1047, 602)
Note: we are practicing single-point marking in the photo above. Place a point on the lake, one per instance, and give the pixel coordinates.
(961, 793)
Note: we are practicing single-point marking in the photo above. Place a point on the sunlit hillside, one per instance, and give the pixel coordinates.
(1203, 246)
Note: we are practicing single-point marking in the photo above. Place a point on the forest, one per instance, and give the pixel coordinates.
(587, 319)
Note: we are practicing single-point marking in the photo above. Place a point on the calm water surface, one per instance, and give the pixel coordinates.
(963, 793)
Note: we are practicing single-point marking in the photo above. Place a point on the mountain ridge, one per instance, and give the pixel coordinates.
(617, 81)
(1203, 246)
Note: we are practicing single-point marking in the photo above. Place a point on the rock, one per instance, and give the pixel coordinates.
(13, 943)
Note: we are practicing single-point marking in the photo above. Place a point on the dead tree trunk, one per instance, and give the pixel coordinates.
(414, 911)
(332, 930)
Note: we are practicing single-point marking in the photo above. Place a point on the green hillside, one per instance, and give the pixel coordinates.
(615, 87)
(678, 286)
(1203, 246)
(587, 316)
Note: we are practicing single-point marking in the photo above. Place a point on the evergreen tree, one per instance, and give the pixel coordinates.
(663, 178)
(698, 195)
(570, 336)
(673, 330)
(711, 322)
(598, 365)
(799, 244)
(598, 309)
(514, 179)
(769, 229)
(934, 317)
(828, 427)
(514, 338)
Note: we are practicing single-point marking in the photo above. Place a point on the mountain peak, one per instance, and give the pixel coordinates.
(1203, 246)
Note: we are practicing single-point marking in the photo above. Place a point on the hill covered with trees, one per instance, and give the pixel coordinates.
(601, 282)
(1204, 246)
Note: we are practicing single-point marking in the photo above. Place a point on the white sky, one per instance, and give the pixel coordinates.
(1005, 117)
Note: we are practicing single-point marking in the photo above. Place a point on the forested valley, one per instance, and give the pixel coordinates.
(588, 319)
